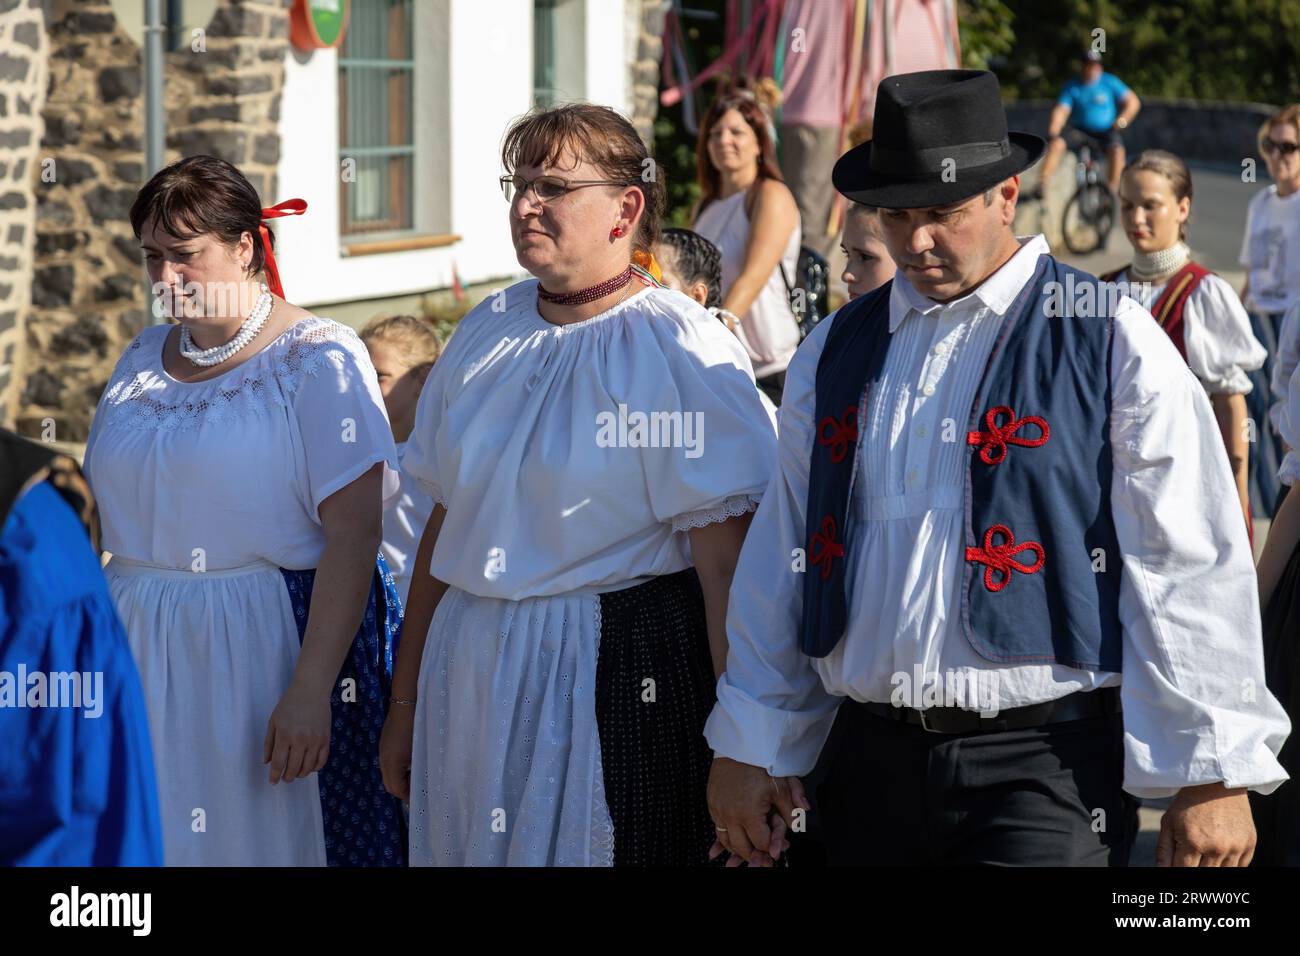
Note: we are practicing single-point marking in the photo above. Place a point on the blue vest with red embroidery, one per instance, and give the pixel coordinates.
(1042, 562)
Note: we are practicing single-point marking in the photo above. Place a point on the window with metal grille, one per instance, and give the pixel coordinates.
(376, 130)
(559, 56)
(544, 84)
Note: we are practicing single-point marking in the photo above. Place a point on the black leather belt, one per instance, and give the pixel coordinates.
(1080, 705)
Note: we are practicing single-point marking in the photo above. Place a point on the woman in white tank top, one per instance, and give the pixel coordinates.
(747, 211)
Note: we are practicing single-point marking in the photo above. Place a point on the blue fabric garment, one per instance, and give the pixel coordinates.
(1037, 479)
(1094, 107)
(76, 789)
(1266, 453)
(364, 825)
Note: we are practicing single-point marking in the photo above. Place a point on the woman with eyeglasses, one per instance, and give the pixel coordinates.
(1270, 252)
(748, 212)
(594, 446)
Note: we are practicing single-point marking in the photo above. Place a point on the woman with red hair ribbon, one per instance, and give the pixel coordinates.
(241, 457)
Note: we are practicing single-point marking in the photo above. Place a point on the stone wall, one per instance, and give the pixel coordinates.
(1219, 134)
(645, 55)
(222, 97)
(23, 49)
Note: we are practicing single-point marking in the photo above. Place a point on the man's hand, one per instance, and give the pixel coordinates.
(752, 811)
(1208, 825)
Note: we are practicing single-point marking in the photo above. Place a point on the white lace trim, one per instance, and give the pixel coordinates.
(269, 379)
(731, 507)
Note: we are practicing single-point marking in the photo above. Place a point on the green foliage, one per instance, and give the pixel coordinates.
(445, 312)
(1197, 49)
(678, 154)
(674, 146)
(985, 28)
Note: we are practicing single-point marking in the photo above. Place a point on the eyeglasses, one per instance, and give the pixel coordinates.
(549, 188)
(1286, 149)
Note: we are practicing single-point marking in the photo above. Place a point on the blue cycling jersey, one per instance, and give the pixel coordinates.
(1094, 106)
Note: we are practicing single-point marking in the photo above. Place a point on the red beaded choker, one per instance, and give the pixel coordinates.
(583, 296)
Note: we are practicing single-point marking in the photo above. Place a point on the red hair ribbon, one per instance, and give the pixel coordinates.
(996, 439)
(824, 547)
(837, 434)
(290, 207)
(1001, 559)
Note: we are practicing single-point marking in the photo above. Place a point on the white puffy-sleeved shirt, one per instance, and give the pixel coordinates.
(1196, 708)
(572, 457)
(1221, 349)
(233, 469)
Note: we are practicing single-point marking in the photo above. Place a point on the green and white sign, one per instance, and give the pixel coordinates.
(328, 17)
(314, 24)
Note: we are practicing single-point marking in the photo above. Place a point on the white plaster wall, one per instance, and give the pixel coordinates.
(488, 47)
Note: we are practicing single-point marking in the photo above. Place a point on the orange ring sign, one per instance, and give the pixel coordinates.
(318, 24)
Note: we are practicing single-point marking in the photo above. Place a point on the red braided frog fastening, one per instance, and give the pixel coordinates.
(824, 548)
(1001, 558)
(836, 434)
(996, 439)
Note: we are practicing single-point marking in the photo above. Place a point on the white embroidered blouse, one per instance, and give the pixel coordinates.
(571, 457)
(232, 470)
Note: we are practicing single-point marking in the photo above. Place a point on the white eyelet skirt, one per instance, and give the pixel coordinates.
(215, 651)
(506, 764)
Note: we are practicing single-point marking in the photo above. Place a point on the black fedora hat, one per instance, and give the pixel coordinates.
(939, 137)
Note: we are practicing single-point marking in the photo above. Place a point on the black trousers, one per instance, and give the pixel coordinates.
(1277, 816)
(773, 386)
(894, 794)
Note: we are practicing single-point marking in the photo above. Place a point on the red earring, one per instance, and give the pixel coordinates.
(616, 231)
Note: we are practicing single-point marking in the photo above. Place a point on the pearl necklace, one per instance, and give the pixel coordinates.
(247, 332)
(1153, 265)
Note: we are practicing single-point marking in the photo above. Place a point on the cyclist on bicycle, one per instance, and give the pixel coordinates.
(1098, 106)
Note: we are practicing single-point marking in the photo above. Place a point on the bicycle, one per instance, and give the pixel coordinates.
(1090, 214)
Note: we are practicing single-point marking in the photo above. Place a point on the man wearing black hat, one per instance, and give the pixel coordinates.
(1001, 564)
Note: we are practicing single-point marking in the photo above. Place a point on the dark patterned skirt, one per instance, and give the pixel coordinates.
(654, 690)
(1277, 816)
(364, 825)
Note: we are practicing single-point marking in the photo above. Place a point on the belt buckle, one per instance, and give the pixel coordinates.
(925, 724)
(962, 723)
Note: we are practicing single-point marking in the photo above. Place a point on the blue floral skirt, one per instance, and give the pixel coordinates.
(364, 825)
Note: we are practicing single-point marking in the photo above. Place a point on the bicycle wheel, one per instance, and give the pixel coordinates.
(1088, 219)
(1105, 219)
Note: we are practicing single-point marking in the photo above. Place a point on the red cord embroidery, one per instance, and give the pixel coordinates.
(1001, 559)
(837, 434)
(829, 550)
(996, 439)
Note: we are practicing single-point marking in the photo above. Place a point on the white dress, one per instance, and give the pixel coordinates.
(205, 491)
(404, 519)
(1221, 349)
(769, 330)
(528, 433)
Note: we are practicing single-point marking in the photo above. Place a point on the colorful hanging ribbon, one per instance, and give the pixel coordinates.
(290, 207)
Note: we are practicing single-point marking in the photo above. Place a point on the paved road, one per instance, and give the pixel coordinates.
(1217, 223)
